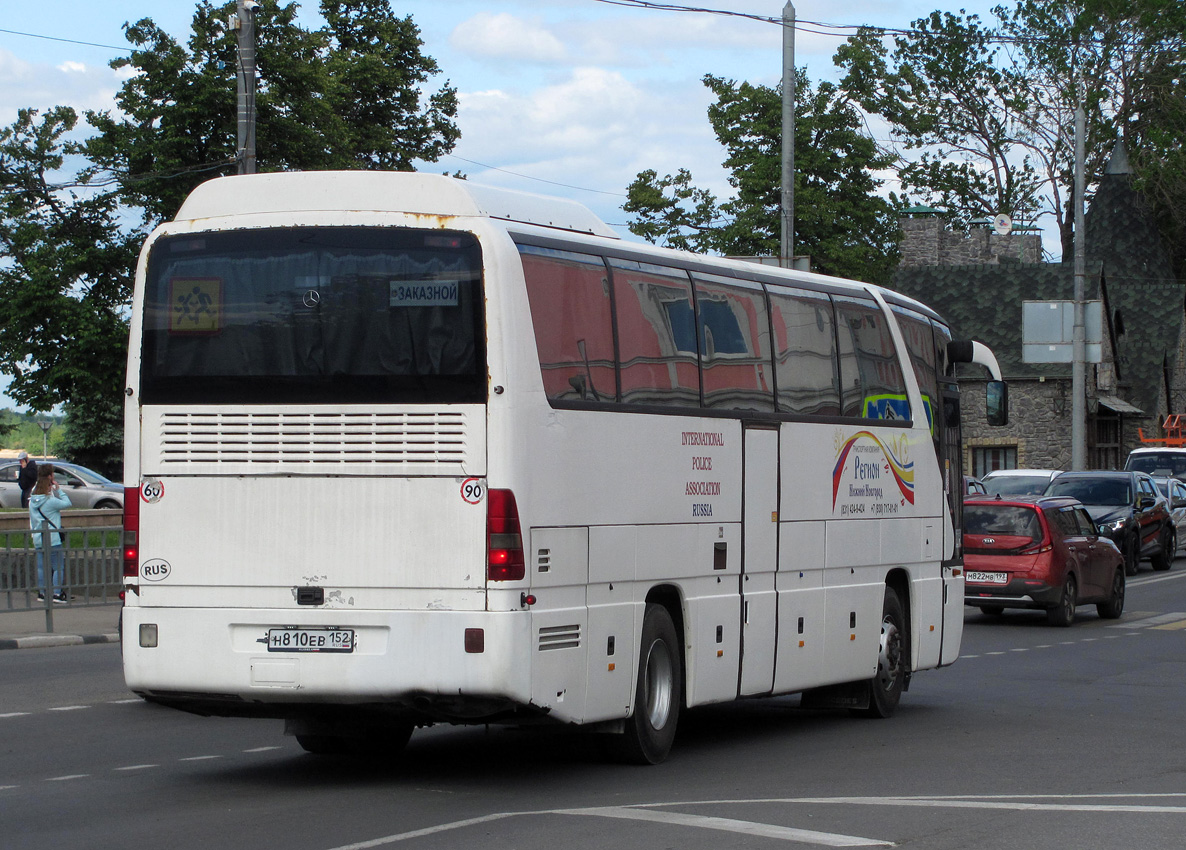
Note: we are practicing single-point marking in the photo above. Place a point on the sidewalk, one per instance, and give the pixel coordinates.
(73, 625)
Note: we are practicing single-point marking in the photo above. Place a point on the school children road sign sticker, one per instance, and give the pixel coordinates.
(195, 305)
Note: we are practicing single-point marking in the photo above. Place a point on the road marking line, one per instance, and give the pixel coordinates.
(261, 749)
(1019, 649)
(199, 758)
(762, 830)
(136, 767)
(1181, 624)
(974, 803)
(69, 708)
(1146, 622)
(124, 701)
(429, 830)
(994, 653)
(65, 778)
(14, 714)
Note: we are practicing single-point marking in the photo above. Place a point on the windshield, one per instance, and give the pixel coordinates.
(1004, 520)
(1093, 491)
(1158, 463)
(314, 315)
(1016, 485)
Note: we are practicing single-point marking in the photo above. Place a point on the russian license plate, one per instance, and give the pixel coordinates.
(987, 578)
(310, 640)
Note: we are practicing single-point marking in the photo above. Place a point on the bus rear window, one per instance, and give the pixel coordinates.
(314, 315)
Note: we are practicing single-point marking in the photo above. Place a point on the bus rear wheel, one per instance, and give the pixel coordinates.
(885, 688)
(650, 730)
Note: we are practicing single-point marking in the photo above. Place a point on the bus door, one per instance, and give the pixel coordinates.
(951, 462)
(759, 559)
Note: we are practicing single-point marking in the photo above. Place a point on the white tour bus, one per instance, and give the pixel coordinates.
(404, 450)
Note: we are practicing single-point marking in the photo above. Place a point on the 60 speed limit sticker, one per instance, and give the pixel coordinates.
(473, 490)
(152, 490)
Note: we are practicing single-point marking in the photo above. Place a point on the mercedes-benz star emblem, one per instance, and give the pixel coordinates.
(312, 298)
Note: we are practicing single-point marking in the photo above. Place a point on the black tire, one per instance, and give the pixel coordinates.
(893, 659)
(1063, 614)
(1164, 559)
(993, 610)
(1114, 607)
(650, 729)
(108, 504)
(1132, 556)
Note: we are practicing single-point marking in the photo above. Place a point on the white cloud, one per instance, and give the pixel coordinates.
(506, 37)
(72, 68)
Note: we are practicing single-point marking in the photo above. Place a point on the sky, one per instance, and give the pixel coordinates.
(558, 97)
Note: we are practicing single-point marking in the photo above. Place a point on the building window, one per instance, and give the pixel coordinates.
(986, 459)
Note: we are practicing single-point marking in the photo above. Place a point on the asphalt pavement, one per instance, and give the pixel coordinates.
(72, 624)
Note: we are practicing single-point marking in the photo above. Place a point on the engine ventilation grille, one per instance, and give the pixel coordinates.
(314, 438)
(559, 637)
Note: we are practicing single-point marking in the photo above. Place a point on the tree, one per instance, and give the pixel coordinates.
(345, 96)
(64, 287)
(985, 112)
(840, 220)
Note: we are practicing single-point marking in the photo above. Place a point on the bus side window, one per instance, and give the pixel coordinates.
(570, 311)
(656, 335)
(734, 346)
(872, 386)
(804, 327)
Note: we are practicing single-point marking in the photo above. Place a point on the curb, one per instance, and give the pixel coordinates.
(38, 641)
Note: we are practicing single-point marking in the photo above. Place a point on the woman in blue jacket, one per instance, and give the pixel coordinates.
(45, 511)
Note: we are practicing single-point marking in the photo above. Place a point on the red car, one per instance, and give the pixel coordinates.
(1040, 552)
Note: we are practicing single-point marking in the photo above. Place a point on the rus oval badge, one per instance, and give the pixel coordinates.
(157, 569)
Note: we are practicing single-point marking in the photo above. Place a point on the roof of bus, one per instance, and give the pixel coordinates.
(383, 191)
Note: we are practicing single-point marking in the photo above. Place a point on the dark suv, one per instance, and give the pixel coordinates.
(1128, 508)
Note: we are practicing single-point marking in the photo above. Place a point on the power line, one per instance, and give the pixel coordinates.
(123, 49)
(538, 179)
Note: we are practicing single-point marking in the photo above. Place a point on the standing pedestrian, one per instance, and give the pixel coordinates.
(45, 512)
(27, 478)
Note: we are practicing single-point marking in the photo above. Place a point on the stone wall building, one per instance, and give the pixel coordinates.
(976, 284)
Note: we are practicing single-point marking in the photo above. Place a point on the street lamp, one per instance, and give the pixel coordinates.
(45, 426)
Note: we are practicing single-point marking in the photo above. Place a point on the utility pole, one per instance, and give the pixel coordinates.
(244, 22)
(1079, 338)
(788, 136)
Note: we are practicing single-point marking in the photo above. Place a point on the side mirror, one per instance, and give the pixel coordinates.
(996, 403)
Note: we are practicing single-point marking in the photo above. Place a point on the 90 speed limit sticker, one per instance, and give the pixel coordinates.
(473, 490)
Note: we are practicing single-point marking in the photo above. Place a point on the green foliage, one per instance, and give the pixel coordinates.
(840, 221)
(985, 113)
(345, 96)
(66, 282)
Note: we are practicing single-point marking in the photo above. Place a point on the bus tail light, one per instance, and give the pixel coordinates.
(504, 537)
(131, 541)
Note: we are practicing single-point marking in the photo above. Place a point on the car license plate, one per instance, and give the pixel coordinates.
(310, 640)
(987, 578)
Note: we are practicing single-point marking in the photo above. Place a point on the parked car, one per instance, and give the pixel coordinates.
(1158, 461)
(1128, 508)
(1041, 552)
(1174, 491)
(973, 487)
(1018, 482)
(85, 487)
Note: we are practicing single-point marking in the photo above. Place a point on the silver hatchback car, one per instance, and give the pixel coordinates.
(85, 487)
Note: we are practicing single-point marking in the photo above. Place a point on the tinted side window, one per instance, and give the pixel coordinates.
(10, 473)
(570, 310)
(1065, 521)
(805, 353)
(1086, 524)
(657, 334)
(734, 346)
(871, 380)
(920, 344)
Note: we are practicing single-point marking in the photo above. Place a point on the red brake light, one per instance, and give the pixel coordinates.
(504, 538)
(131, 542)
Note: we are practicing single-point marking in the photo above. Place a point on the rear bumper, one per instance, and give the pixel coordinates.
(1018, 593)
(216, 661)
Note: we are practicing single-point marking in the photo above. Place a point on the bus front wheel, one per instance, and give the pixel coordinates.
(650, 730)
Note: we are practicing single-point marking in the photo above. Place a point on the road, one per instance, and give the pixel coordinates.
(1037, 738)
